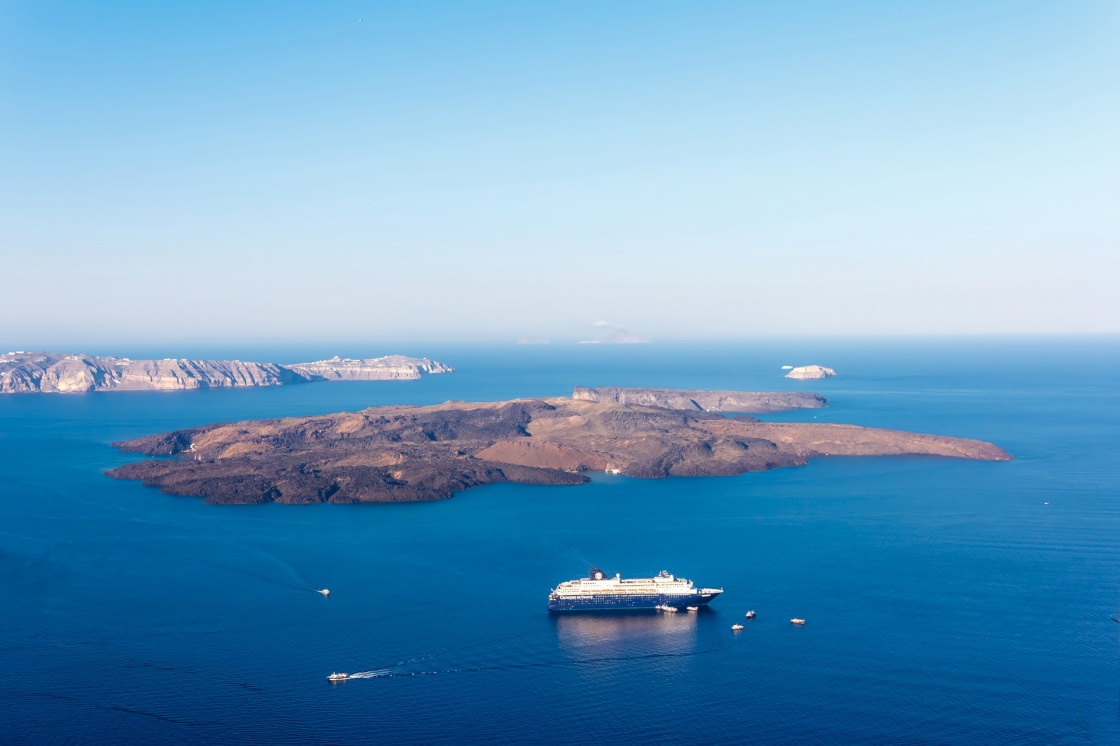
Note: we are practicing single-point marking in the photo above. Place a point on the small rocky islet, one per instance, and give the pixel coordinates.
(416, 453)
(810, 372)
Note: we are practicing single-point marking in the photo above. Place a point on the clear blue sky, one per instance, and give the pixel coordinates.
(286, 171)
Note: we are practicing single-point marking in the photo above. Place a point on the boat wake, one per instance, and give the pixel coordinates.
(370, 674)
(417, 666)
(461, 648)
(399, 668)
(550, 664)
(400, 672)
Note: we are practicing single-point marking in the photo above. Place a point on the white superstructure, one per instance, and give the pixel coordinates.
(596, 585)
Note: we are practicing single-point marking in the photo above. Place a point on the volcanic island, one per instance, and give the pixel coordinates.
(415, 453)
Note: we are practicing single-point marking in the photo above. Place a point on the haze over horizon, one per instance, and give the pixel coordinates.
(257, 174)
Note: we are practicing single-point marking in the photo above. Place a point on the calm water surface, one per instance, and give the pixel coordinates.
(948, 601)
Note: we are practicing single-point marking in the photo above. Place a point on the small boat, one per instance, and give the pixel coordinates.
(667, 608)
(325, 591)
(737, 627)
(797, 621)
(750, 614)
(338, 677)
(693, 608)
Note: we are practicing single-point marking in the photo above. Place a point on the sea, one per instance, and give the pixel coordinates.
(947, 601)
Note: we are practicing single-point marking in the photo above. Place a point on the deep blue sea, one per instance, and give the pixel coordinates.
(948, 602)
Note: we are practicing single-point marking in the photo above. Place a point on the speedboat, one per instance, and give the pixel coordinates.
(325, 591)
(338, 677)
(750, 614)
(737, 627)
(796, 621)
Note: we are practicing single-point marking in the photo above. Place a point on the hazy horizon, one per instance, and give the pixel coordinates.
(793, 350)
(239, 175)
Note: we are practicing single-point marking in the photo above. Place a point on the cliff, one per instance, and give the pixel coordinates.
(748, 402)
(46, 372)
(58, 373)
(403, 453)
(389, 368)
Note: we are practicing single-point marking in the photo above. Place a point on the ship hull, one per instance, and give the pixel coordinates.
(627, 602)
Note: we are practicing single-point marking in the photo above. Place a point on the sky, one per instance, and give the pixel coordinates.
(498, 170)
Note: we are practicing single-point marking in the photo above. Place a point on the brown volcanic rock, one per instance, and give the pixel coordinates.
(402, 453)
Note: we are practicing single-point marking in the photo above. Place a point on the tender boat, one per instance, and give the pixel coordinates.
(693, 608)
(667, 608)
(338, 677)
(737, 627)
(750, 614)
(797, 621)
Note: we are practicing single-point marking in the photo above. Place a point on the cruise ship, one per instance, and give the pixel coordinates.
(597, 592)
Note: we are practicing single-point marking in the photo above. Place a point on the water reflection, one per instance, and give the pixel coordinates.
(583, 636)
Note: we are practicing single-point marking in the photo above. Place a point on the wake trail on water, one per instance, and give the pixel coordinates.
(461, 648)
(370, 674)
(389, 673)
(259, 576)
(298, 583)
(401, 668)
(393, 669)
(296, 579)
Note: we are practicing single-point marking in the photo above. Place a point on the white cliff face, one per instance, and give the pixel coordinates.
(44, 372)
(388, 368)
(807, 372)
(37, 371)
(172, 375)
(76, 377)
(72, 373)
(52, 373)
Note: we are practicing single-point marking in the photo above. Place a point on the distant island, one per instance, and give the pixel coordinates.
(47, 372)
(407, 453)
(809, 372)
(619, 335)
(388, 368)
